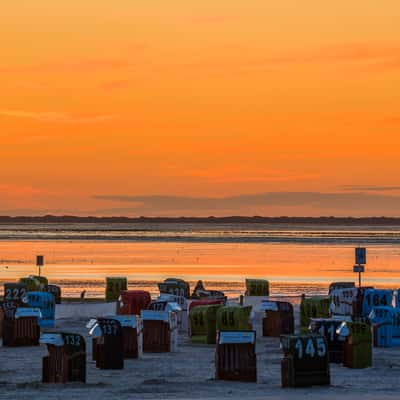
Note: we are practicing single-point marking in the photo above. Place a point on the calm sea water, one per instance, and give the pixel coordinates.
(295, 259)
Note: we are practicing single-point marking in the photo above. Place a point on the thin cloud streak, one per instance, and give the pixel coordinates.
(370, 188)
(343, 202)
(57, 117)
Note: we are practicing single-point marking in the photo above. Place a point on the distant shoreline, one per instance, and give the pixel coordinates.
(205, 220)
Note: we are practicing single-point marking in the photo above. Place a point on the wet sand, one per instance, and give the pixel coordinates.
(189, 374)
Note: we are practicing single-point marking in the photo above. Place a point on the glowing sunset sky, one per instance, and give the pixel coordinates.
(220, 107)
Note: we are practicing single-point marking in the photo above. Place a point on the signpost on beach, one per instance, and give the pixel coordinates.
(39, 262)
(361, 260)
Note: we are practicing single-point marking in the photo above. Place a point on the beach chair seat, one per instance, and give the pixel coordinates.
(132, 302)
(108, 343)
(160, 331)
(279, 318)
(66, 359)
(114, 287)
(235, 356)
(305, 361)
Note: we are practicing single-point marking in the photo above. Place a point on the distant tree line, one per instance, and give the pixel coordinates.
(207, 220)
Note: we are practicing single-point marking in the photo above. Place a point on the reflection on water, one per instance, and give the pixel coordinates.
(292, 268)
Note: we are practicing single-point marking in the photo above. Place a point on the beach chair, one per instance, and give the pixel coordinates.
(114, 287)
(108, 343)
(203, 323)
(375, 298)
(198, 303)
(182, 302)
(358, 344)
(66, 359)
(357, 302)
(31, 284)
(15, 292)
(233, 318)
(328, 327)
(313, 307)
(160, 331)
(200, 292)
(279, 318)
(385, 322)
(204, 302)
(46, 303)
(132, 334)
(340, 285)
(235, 356)
(133, 302)
(397, 298)
(257, 287)
(55, 291)
(175, 286)
(305, 361)
(43, 281)
(20, 325)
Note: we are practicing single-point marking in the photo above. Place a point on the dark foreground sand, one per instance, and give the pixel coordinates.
(189, 374)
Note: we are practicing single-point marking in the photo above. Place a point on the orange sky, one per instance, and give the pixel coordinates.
(213, 99)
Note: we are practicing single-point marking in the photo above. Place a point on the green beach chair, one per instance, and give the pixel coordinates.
(233, 318)
(257, 287)
(358, 344)
(313, 307)
(34, 283)
(114, 286)
(203, 324)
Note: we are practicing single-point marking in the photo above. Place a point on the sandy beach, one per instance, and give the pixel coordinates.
(189, 374)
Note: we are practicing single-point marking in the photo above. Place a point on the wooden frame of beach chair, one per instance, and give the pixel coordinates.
(65, 363)
(109, 346)
(160, 331)
(305, 361)
(132, 336)
(24, 331)
(279, 322)
(358, 346)
(235, 356)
